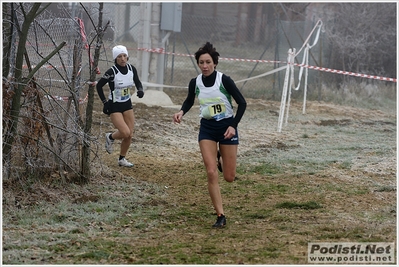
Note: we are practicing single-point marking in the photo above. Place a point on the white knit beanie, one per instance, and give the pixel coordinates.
(119, 49)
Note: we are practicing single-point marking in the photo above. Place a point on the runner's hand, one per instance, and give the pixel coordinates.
(140, 94)
(230, 132)
(106, 108)
(177, 117)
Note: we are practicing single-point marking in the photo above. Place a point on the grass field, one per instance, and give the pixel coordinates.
(330, 175)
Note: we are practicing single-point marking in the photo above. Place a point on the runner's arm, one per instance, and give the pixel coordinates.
(189, 102)
(102, 82)
(136, 79)
(238, 97)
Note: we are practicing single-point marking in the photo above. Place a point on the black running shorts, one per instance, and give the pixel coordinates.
(214, 130)
(120, 106)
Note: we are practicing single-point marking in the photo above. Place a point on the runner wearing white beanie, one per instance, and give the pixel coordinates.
(121, 78)
(119, 49)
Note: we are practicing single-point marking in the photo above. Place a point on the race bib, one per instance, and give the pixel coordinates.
(216, 111)
(121, 94)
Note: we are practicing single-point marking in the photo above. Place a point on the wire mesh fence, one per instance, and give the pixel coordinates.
(50, 117)
(249, 46)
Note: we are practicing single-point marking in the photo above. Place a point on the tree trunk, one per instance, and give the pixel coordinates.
(16, 100)
(85, 164)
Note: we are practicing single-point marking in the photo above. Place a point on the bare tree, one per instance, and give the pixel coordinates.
(363, 37)
(98, 40)
(19, 80)
(28, 93)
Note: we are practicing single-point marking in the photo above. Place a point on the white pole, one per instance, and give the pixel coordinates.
(161, 61)
(284, 94)
(292, 82)
(146, 43)
(306, 82)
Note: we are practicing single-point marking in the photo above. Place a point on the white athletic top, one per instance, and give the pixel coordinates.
(215, 101)
(123, 83)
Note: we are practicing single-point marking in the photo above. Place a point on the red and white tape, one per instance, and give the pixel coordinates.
(66, 98)
(162, 51)
(347, 73)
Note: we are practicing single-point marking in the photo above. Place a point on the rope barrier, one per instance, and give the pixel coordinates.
(348, 73)
(289, 67)
(66, 98)
(162, 51)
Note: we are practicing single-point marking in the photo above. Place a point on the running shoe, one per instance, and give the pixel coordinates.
(220, 222)
(108, 143)
(124, 163)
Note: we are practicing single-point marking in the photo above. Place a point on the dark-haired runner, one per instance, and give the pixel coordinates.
(218, 125)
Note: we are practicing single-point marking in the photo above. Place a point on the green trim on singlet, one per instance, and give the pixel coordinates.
(221, 89)
(197, 90)
(224, 91)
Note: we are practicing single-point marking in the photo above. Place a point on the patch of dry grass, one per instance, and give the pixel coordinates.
(312, 182)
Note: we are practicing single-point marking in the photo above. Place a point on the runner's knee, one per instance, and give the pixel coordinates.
(212, 175)
(229, 178)
(126, 133)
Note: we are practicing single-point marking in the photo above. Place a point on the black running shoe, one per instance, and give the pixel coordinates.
(219, 164)
(220, 222)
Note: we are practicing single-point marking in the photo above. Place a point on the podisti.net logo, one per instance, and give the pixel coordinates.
(351, 252)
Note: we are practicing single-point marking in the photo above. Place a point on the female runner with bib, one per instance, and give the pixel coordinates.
(121, 78)
(218, 125)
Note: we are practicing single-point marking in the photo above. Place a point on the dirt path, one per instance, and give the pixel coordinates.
(313, 150)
